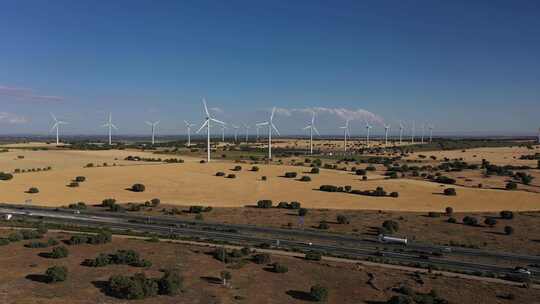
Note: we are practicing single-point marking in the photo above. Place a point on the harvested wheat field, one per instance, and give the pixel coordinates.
(497, 156)
(194, 183)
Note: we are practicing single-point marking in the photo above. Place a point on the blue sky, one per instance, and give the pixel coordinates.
(465, 66)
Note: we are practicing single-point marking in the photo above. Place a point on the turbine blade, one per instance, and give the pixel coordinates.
(275, 129)
(53, 117)
(262, 124)
(114, 127)
(218, 121)
(54, 127)
(203, 125)
(316, 131)
(148, 123)
(272, 115)
(306, 128)
(205, 107)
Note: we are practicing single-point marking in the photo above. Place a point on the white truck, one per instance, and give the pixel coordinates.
(7, 216)
(390, 239)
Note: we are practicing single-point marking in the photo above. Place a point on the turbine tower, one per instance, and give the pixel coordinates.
(206, 124)
(346, 133)
(401, 127)
(271, 126)
(311, 128)
(423, 129)
(247, 132)
(235, 128)
(110, 125)
(257, 130)
(431, 126)
(412, 133)
(386, 129)
(153, 125)
(223, 128)
(188, 126)
(368, 128)
(56, 126)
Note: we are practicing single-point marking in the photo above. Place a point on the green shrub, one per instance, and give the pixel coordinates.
(15, 236)
(449, 210)
(80, 179)
(323, 225)
(511, 186)
(294, 205)
(265, 204)
(305, 179)
(108, 202)
(231, 176)
(391, 226)
(171, 282)
(279, 268)
(4, 241)
(302, 212)
(470, 220)
(220, 173)
(507, 215)
(313, 256)
(262, 258)
(314, 170)
(291, 174)
(318, 293)
(490, 221)
(56, 274)
(135, 287)
(508, 230)
(342, 219)
(59, 252)
(78, 206)
(138, 188)
(452, 220)
(5, 176)
(33, 190)
(450, 191)
(254, 168)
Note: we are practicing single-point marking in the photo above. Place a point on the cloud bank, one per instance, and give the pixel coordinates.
(26, 94)
(11, 118)
(340, 113)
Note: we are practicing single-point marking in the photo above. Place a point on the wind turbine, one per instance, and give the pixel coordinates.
(270, 124)
(423, 130)
(188, 126)
(346, 133)
(223, 128)
(206, 124)
(56, 126)
(153, 125)
(431, 126)
(311, 128)
(386, 129)
(368, 128)
(247, 132)
(110, 125)
(412, 133)
(235, 128)
(401, 127)
(257, 129)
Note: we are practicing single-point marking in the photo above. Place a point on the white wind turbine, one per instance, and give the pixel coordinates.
(271, 126)
(153, 125)
(346, 133)
(431, 127)
(386, 129)
(188, 126)
(401, 127)
(368, 128)
(257, 130)
(235, 128)
(110, 125)
(223, 128)
(247, 132)
(56, 126)
(412, 133)
(423, 130)
(206, 124)
(311, 128)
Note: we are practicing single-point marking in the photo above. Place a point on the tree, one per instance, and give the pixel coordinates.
(138, 188)
(318, 293)
(265, 204)
(262, 258)
(59, 252)
(314, 170)
(302, 212)
(391, 226)
(450, 191)
(56, 274)
(5, 176)
(508, 230)
(171, 282)
(342, 219)
(490, 221)
(225, 276)
(470, 220)
(108, 202)
(511, 186)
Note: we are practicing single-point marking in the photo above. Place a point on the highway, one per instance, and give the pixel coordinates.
(248, 235)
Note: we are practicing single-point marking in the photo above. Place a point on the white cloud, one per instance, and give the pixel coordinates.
(338, 113)
(26, 94)
(11, 118)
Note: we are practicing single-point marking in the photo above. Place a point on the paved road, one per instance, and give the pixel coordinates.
(337, 245)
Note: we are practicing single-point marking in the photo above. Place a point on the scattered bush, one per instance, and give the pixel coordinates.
(265, 204)
(323, 225)
(508, 230)
(470, 220)
(254, 168)
(361, 172)
(59, 252)
(171, 283)
(302, 212)
(73, 185)
(394, 194)
(313, 256)
(220, 173)
(33, 190)
(294, 205)
(4, 242)
(390, 226)
(450, 191)
(108, 202)
(231, 176)
(262, 258)
(314, 170)
(5, 176)
(328, 188)
(434, 214)
(452, 220)
(80, 179)
(305, 179)
(507, 215)
(490, 221)
(237, 168)
(342, 219)
(135, 287)
(138, 188)
(56, 274)
(318, 293)
(449, 210)
(290, 174)
(78, 206)
(279, 268)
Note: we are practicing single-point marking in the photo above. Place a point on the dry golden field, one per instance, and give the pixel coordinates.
(194, 183)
